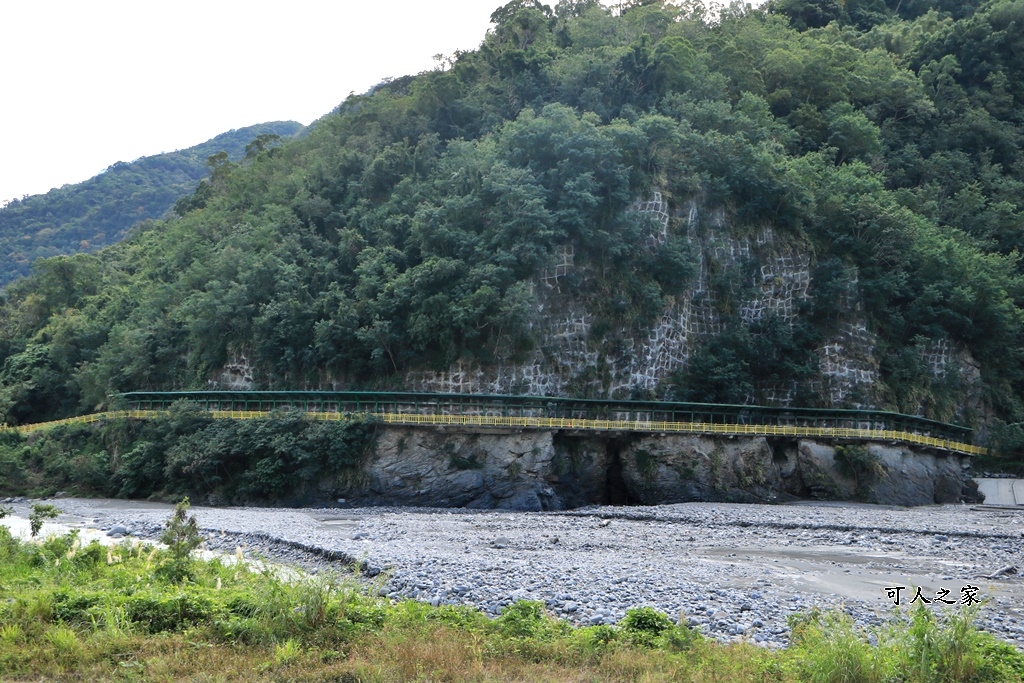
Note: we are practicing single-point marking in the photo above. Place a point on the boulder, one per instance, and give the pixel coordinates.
(677, 469)
(118, 531)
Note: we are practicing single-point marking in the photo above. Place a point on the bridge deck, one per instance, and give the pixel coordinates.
(541, 412)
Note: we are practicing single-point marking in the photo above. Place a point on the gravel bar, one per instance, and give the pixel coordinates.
(736, 572)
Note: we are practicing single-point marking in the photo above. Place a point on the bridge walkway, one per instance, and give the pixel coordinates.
(554, 413)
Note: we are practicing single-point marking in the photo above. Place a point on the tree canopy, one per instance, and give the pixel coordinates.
(87, 216)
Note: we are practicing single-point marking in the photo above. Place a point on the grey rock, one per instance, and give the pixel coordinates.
(466, 482)
(525, 501)
(519, 471)
(483, 502)
(684, 470)
(1005, 571)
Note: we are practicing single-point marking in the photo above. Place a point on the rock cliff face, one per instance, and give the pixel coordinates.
(739, 272)
(544, 470)
(774, 275)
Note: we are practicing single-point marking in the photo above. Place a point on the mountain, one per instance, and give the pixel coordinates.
(87, 216)
(766, 206)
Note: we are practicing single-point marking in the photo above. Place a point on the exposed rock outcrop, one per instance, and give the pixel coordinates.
(681, 469)
(545, 470)
(442, 468)
(876, 473)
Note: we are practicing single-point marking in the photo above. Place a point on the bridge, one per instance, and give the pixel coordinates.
(554, 413)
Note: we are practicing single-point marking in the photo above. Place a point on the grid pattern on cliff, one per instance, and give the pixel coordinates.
(546, 372)
(779, 394)
(784, 281)
(702, 318)
(937, 355)
(848, 365)
(566, 356)
(663, 352)
(656, 209)
(565, 263)
(567, 361)
(236, 374)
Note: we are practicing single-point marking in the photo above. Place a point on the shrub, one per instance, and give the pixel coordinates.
(857, 461)
(157, 613)
(74, 608)
(65, 643)
(596, 639)
(526, 619)
(461, 617)
(287, 652)
(181, 536)
(40, 513)
(645, 625)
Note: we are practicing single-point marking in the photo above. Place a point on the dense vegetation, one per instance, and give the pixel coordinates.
(407, 229)
(282, 458)
(131, 612)
(90, 215)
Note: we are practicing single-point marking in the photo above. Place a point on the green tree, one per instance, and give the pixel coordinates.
(181, 536)
(40, 513)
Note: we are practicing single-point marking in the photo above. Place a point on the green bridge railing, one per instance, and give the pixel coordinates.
(627, 415)
(543, 412)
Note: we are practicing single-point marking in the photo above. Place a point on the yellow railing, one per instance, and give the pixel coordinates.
(562, 423)
(81, 419)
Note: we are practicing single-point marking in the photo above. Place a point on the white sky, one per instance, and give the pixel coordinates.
(87, 83)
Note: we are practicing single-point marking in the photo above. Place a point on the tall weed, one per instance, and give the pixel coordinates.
(921, 647)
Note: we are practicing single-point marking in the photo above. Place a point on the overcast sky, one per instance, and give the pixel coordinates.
(87, 83)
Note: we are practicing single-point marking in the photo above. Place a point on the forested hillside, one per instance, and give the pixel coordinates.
(813, 203)
(90, 215)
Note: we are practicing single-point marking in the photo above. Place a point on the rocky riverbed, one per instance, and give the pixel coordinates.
(733, 571)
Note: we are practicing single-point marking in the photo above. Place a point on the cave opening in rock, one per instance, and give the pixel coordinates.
(782, 450)
(615, 491)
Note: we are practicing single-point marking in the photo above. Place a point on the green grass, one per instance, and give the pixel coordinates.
(74, 612)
